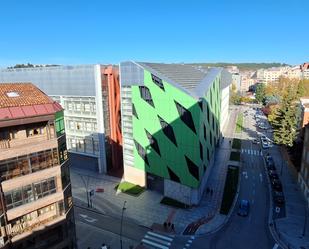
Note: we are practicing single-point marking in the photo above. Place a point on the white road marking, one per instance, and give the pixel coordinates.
(87, 218)
(160, 236)
(275, 246)
(261, 177)
(157, 240)
(154, 244)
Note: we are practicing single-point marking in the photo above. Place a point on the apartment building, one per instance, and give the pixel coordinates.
(90, 97)
(35, 190)
(171, 119)
(304, 108)
(303, 175)
(236, 81)
(305, 70)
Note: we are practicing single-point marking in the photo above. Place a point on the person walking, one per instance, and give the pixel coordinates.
(103, 246)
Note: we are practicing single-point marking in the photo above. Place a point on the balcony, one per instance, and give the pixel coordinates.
(26, 146)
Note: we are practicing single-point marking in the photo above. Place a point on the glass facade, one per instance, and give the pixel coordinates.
(30, 193)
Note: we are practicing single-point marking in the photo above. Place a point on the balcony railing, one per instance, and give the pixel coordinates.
(28, 226)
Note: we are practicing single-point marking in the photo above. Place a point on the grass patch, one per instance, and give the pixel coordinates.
(230, 189)
(235, 156)
(130, 188)
(239, 123)
(171, 202)
(236, 144)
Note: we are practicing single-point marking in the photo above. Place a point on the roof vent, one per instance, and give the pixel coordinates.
(12, 94)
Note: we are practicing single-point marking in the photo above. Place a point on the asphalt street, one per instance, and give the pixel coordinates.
(251, 231)
(239, 232)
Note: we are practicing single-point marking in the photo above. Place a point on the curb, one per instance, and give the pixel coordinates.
(270, 213)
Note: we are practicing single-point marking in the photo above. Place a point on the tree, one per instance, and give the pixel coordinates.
(260, 92)
(301, 89)
(285, 119)
(234, 97)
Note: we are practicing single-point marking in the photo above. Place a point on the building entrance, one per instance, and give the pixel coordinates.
(155, 183)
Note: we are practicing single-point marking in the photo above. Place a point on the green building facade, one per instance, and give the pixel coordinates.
(171, 125)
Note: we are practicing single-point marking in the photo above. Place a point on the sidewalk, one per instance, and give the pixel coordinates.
(290, 229)
(146, 209)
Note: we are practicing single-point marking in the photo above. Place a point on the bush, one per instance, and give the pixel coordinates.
(235, 156)
(230, 189)
(236, 144)
(130, 188)
(239, 122)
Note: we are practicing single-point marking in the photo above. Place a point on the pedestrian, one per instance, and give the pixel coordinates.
(103, 246)
(207, 190)
(173, 227)
(165, 225)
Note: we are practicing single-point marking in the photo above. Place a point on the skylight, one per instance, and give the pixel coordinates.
(12, 94)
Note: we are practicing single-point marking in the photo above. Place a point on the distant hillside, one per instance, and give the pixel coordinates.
(244, 66)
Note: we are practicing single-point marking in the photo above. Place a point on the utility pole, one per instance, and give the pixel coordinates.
(121, 222)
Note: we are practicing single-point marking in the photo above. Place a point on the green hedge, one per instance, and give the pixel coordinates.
(230, 189)
(236, 144)
(235, 156)
(239, 123)
(129, 188)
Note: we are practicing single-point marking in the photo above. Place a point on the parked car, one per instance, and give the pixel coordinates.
(271, 167)
(265, 145)
(278, 199)
(244, 208)
(273, 174)
(276, 185)
(269, 160)
(255, 141)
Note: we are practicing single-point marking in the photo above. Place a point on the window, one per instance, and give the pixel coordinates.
(210, 138)
(205, 136)
(168, 131)
(201, 152)
(63, 153)
(87, 107)
(193, 168)
(157, 81)
(200, 103)
(185, 116)
(208, 156)
(134, 111)
(153, 142)
(30, 193)
(141, 151)
(208, 115)
(172, 175)
(146, 95)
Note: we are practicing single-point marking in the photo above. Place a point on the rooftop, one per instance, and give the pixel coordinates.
(21, 94)
(21, 100)
(188, 76)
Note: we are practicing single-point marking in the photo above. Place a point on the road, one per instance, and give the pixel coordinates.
(251, 231)
(239, 232)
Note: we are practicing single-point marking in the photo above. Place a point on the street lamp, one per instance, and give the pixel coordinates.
(123, 208)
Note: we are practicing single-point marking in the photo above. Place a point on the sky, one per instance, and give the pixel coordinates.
(101, 31)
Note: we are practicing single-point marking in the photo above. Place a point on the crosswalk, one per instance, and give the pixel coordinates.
(252, 152)
(157, 241)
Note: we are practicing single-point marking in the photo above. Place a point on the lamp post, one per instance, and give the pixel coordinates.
(121, 222)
